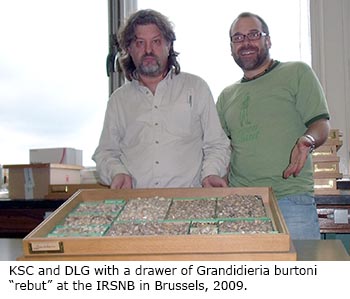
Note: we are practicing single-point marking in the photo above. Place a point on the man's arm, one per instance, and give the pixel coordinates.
(315, 135)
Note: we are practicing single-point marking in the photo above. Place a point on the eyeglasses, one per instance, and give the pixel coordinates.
(239, 38)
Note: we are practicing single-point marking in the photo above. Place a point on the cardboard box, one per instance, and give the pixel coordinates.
(32, 181)
(63, 155)
(264, 246)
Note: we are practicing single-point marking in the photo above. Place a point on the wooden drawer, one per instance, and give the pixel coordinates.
(325, 153)
(64, 191)
(326, 187)
(327, 169)
(334, 138)
(37, 245)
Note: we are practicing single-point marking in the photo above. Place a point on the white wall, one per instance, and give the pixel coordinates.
(330, 43)
(330, 38)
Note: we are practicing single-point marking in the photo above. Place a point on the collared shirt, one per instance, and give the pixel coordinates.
(170, 139)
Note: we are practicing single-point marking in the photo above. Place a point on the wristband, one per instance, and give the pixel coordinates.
(313, 142)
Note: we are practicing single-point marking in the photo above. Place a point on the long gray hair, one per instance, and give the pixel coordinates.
(126, 36)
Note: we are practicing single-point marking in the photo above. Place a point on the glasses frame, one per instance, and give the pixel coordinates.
(246, 36)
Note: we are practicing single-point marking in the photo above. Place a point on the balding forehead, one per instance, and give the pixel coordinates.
(244, 24)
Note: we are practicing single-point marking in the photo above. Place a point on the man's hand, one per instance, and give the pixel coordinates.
(298, 157)
(214, 181)
(121, 181)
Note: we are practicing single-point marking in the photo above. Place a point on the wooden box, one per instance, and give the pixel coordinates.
(64, 191)
(335, 134)
(32, 181)
(327, 169)
(268, 246)
(326, 186)
(334, 138)
(325, 153)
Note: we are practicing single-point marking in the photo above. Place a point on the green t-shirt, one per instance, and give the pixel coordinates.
(264, 118)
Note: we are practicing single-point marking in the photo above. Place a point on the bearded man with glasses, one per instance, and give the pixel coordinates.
(274, 116)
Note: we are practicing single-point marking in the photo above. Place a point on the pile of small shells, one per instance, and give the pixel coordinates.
(152, 208)
(192, 209)
(166, 216)
(246, 226)
(240, 206)
(77, 220)
(148, 228)
(82, 230)
(100, 207)
(204, 228)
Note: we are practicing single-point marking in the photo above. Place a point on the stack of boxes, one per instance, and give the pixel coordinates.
(326, 165)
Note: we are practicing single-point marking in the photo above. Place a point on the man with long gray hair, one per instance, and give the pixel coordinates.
(161, 128)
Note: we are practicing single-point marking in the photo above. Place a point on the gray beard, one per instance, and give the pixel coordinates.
(153, 70)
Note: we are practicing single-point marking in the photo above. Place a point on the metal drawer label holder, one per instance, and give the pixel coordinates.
(46, 247)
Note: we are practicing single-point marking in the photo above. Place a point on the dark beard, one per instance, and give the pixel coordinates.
(252, 64)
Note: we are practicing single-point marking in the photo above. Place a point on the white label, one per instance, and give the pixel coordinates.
(29, 183)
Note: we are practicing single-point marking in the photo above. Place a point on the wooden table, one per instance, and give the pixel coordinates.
(320, 250)
(20, 217)
(307, 250)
